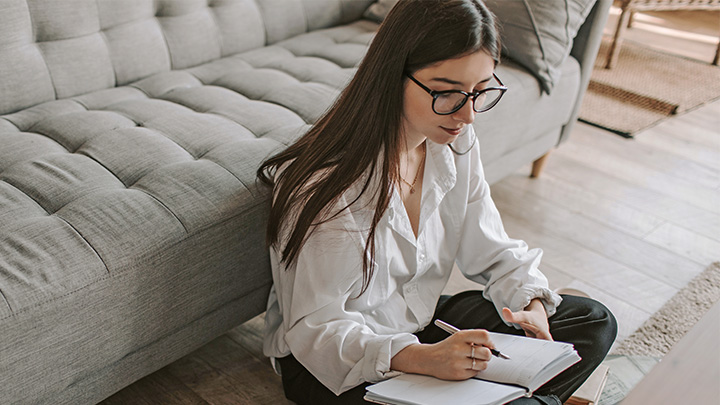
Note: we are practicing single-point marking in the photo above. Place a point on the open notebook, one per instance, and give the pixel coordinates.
(533, 362)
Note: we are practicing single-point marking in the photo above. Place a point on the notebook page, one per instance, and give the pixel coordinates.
(528, 357)
(425, 390)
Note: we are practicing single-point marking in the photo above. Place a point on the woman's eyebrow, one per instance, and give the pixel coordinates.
(455, 82)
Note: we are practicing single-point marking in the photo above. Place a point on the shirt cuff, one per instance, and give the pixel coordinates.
(549, 299)
(387, 350)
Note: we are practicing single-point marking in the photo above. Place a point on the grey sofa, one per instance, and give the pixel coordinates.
(131, 224)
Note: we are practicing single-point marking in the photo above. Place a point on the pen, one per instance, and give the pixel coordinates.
(451, 329)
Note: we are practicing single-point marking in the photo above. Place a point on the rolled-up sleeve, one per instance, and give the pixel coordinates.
(507, 267)
(333, 341)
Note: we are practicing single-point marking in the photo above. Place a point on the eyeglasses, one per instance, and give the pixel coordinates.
(450, 101)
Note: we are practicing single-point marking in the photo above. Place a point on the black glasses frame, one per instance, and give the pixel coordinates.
(435, 94)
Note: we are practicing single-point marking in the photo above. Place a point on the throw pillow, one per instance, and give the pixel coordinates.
(538, 34)
(379, 10)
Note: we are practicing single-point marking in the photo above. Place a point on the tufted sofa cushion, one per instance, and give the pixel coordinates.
(58, 49)
(127, 189)
(90, 182)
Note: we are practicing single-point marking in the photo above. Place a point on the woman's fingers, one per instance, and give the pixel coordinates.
(529, 328)
(520, 319)
(478, 365)
(480, 353)
(509, 315)
(478, 342)
(466, 354)
(534, 323)
(477, 337)
(543, 334)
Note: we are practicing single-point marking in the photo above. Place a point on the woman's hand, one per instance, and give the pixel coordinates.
(533, 319)
(459, 357)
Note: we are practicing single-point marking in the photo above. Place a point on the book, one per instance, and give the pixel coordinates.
(533, 362)
(589, 392)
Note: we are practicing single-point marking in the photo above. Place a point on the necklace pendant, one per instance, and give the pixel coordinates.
(412, 190)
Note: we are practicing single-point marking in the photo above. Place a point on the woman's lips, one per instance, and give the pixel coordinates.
(452, 131)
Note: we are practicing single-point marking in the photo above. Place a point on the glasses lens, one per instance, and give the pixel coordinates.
(447, 103)
(487, 100)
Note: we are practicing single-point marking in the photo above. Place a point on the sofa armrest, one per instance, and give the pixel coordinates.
(584, 50)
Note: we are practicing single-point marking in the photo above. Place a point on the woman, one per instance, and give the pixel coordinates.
(377, 201)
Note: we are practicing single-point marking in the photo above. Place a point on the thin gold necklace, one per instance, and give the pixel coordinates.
(417, 174)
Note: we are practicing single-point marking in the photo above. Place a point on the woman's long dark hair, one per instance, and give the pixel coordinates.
(363, 127)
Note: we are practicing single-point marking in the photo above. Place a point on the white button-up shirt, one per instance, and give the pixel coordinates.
(314, 311)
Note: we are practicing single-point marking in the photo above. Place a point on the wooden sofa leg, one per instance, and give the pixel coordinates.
(717, 54)
(538, 165)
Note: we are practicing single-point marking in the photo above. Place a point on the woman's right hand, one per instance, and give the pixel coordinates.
(458, 357)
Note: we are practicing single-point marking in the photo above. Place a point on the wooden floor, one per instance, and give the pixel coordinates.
(628, 221)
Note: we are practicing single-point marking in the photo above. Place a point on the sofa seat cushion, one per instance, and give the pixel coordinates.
(92, 184)
(525, 112)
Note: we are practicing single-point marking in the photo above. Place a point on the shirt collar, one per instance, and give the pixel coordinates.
(439, 178)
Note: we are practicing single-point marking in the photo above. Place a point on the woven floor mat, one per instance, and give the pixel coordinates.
(645, 87)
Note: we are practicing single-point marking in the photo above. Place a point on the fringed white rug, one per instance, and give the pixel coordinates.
(639, 353)
(664, 328)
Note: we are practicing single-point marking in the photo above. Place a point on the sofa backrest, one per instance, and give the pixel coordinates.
(54, 49)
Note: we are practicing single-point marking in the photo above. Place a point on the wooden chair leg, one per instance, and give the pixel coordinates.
(614, 50)
(538, 165)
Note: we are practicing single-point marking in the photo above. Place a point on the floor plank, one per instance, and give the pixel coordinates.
(644, 160)
(590, 202)
(685, 242)
(160, 387)
(666, 139)
(586, 176)
(547, 218)
(629, 316)
(635, 167)
(576, 260)
(697, 127)
(224, 372)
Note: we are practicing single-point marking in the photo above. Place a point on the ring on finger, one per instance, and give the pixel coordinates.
(472, 352)
(473, 364)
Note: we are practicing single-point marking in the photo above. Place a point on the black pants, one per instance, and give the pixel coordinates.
(586, 323)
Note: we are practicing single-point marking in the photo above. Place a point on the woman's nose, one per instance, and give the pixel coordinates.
(465, 114)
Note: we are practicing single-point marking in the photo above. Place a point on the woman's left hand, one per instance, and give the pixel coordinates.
(533, 319)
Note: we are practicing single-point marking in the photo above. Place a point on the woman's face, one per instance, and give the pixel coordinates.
(469, 73)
